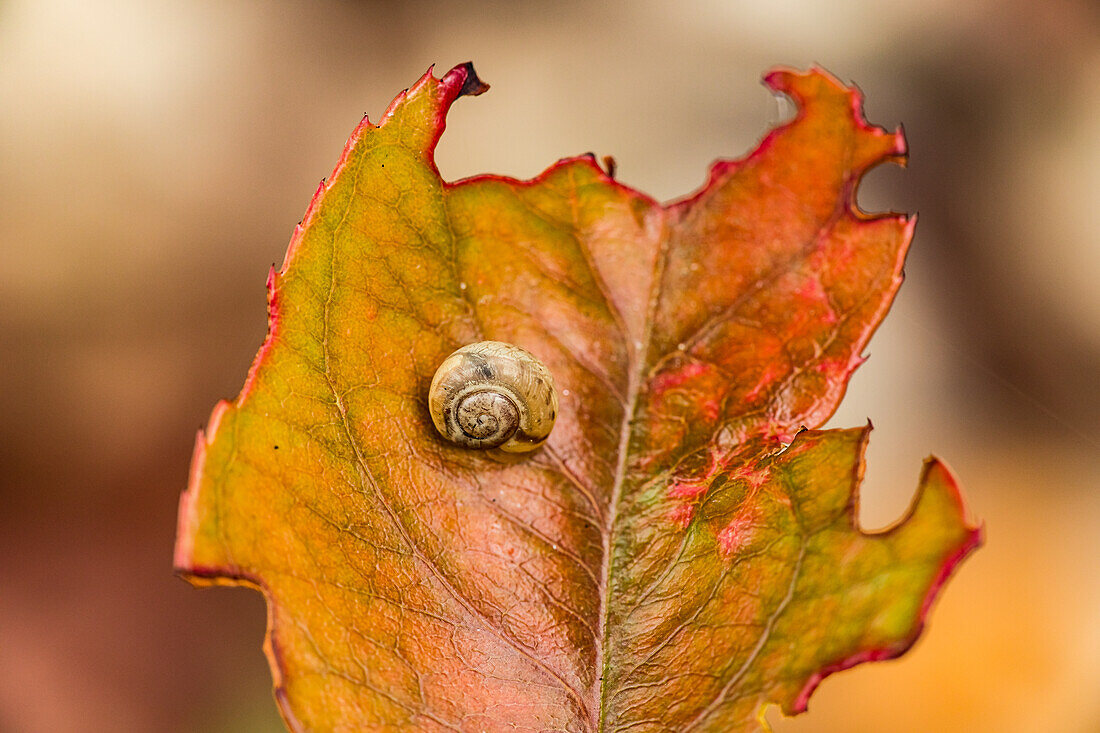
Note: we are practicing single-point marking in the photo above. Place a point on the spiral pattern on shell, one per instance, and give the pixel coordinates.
(493, 395)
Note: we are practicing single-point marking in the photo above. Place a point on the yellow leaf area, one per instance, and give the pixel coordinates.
(681, 552)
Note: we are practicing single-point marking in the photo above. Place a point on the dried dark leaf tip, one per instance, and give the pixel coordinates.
(472, 86)
(610, 165)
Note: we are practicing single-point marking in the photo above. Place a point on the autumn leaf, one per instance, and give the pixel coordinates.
(681, 552)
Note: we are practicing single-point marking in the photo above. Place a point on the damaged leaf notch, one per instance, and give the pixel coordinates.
(681, 553)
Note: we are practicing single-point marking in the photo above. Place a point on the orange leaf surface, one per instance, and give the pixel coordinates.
(680, 553)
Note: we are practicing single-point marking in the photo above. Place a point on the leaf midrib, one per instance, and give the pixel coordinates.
(634, 383)
(639, 357)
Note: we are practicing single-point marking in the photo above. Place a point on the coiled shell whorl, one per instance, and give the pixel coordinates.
(493, 395)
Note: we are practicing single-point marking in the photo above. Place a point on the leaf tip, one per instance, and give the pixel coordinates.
(806, 86)
(611, 166)
(901, 146)
(938, 500)
(937, 478)
(184, 550)
(472, 86)
(936, 473)
(462, 81)
(779, 79)
(188, 518)
(272, 300)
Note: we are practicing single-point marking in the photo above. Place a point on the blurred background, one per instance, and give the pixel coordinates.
(155, 157)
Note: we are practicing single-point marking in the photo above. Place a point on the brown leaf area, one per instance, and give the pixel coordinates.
(679, 554)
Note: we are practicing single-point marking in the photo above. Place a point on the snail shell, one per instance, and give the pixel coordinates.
(493, 395)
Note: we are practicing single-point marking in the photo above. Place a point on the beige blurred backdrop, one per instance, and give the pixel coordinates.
(155, 157)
